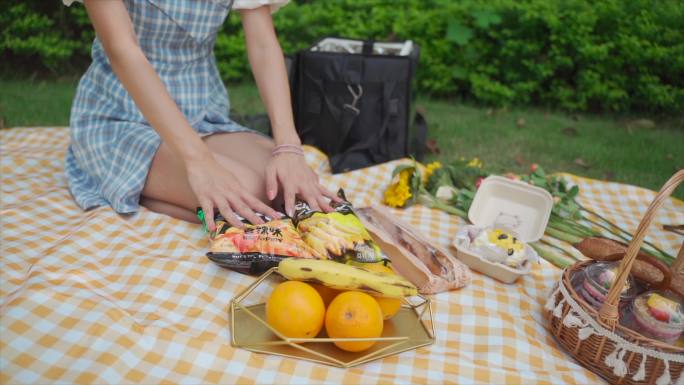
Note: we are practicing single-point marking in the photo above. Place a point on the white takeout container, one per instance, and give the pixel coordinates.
(515, 206)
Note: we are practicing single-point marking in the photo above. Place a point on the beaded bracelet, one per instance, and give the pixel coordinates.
(287, 148)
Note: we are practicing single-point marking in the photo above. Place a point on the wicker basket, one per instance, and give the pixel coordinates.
(597, 340)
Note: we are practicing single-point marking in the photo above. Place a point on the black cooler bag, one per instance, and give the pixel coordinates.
(356, 107)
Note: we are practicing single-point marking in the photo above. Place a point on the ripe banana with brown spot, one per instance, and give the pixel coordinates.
(346, 277)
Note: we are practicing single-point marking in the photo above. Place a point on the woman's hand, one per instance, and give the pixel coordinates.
(296, 178)
(216, 187)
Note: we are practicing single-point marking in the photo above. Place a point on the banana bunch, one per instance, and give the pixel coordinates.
(346, 277)
(330, 237)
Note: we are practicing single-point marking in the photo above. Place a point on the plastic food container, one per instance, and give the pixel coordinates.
(596, 281)
(515, 206)
(659, 315)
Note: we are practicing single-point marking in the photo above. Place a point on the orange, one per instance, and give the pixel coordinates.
(295, 309)
(353, 314)
(389, 306)
(327, 293)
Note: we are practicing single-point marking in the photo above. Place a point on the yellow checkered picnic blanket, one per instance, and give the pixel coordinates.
(94, 297)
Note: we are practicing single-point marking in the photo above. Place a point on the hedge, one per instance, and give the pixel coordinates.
(610, 55)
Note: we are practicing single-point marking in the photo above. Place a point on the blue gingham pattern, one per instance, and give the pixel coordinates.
(112, 145)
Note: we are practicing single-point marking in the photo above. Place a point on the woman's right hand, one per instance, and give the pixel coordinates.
(216, 187)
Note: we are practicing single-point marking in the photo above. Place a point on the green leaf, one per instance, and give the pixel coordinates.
(458, 33)
(573, 192)
(401, 168)
(459, 72)
(484, 19)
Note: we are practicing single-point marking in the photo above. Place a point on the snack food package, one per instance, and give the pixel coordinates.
(496, 244)
(337, 235)
(255, 248)
(427, 265)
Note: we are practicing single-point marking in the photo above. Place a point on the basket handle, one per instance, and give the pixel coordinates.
(608, 314)
(678, 264)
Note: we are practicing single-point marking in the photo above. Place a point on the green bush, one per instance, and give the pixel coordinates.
(614, 55)
(44, 35)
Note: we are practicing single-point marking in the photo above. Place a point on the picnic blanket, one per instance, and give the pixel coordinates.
(94, 297)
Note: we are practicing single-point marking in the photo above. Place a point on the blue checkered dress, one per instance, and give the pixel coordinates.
(112, 145)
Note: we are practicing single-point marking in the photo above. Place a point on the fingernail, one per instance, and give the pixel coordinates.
(270, 194)
(290, 213)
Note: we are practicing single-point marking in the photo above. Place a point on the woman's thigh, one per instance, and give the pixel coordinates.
(247, 148)
(243, 154)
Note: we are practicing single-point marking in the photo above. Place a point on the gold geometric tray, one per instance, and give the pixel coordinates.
(409, 329)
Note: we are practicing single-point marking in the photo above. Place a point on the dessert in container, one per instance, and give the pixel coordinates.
(659, 315)
(506, 216)
(597, 279)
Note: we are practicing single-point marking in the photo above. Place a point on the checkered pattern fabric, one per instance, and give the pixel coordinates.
(94, 297)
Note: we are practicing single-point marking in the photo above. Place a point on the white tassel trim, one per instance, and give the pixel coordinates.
(572, 320)
(616, 361)
(550, 303)
(665, 378)
(585, 332)
(552, 299)
(558, 311)
(641, 373)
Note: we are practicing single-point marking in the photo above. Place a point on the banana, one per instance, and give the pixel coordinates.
(311, 222)
(346, 277)
(332, 230)
(316, 244)
(346, 228)
(331, 240)
(348, 239)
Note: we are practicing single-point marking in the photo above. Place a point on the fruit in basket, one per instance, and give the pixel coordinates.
(346, 277)
(354, 314)
(295, 309)
(327, 293)
(389, 306)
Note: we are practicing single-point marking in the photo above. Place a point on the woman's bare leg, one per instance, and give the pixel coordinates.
(169, 209)
(247, 148)
(167, 190)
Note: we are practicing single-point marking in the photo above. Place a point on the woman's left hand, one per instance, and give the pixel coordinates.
(290, 173)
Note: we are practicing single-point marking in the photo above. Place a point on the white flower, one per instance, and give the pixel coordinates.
(446, 193)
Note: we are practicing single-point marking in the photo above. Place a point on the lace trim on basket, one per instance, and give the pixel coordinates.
(577, 317)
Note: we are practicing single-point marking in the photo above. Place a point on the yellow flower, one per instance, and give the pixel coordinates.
(474, 163)
(429, 169)
(399, 192)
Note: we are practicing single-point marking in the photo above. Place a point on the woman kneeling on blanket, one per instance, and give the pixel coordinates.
(150, 119)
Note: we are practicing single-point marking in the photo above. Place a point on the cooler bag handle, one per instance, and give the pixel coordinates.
(371, 141)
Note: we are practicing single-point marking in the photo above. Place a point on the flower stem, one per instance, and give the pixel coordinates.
(434, 203)
(555, 259)
(563, 236)
(562, 250)
(627, 237)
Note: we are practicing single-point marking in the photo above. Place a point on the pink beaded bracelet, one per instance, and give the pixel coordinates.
(287, 148)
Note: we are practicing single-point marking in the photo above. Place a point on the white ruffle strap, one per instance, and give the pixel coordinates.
(665, 378)
(640, 375)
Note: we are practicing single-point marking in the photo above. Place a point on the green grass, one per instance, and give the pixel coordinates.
(614, 148)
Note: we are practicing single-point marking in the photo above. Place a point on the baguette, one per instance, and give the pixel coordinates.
(431, 268)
